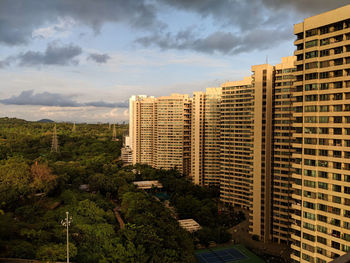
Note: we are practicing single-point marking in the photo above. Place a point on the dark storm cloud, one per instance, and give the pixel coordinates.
(19, 18)
(218, 42)
(28, 97)
(53, 55)
(257, 24)
(310, 7)
(99, 58)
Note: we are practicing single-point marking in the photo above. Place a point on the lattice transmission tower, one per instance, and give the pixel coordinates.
(74, 128)
(114, 135)
(54, 144)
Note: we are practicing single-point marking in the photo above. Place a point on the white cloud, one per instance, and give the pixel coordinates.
(62, 29)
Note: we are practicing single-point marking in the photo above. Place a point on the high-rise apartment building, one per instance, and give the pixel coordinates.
(256, 133)
(173, 133)
(143, 120)
(282, 137)
(322, 138)
(161, 131)
(260, 210)
(236, 143)
(205, 137)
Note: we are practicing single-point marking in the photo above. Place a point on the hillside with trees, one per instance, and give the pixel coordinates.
(87, 179)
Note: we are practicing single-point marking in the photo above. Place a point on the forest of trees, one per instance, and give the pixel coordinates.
(38, 186)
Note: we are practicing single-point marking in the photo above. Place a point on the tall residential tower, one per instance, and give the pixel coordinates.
(322, 138)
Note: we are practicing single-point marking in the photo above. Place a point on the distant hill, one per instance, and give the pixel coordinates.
(7, 120)
(45, 121)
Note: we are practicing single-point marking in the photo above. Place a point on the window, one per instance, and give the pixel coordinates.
(324, 97)
(311, 32)
(324, 53)
(324, 119)
(311, 98)
(324, 41)
(324, 108)
(312, 54)
(337, 119)
(336, 199)
(337, 96)
(311, 86)
(309, 183)
(311, 65)
(311, 43)
(312, 76)
(323, 185)
(309, 215)
(323, 152)
(310, 119)
(337, 177)
(322, 174)
(338, 85)
(338, 50)
(324, 86)
(322, 218)
(322, 229)
(336, 188)
(310, 173)
(337, 108)
(323, 75)
(323, 130)
(337, 154)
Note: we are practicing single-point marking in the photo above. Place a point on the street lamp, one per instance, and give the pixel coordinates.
(66, 222)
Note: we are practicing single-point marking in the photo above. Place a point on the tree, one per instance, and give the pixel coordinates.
(42, 178)
(54, 252)
(14, 179)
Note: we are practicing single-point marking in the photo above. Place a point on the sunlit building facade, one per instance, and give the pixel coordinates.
(236, 143)
(321, 222)
(205, 137)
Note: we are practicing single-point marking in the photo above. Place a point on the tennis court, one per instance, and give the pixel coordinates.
(219, 256)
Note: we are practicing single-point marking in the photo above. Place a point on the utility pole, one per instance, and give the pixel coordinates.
(66, 222)
(54, 144)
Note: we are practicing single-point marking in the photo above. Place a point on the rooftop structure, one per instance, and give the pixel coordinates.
(189, 224)
(148, 184)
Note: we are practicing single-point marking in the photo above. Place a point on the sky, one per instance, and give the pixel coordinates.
(80, 61)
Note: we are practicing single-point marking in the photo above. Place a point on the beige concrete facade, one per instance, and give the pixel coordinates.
(321, 222)
(205, 138)
(144, 130)
(162, 131)
(197, 138)
(236, 143)
(173, 133)
(260, 210)
(282, 150)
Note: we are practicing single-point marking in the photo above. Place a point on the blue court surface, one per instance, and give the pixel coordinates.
(219, 256)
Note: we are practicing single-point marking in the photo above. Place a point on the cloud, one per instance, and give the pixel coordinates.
(239, 26)
(19, 19)
(61, 29)
(124, 104)
(28, 97)
(99, 58)
(53, 55)
(218, 42)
